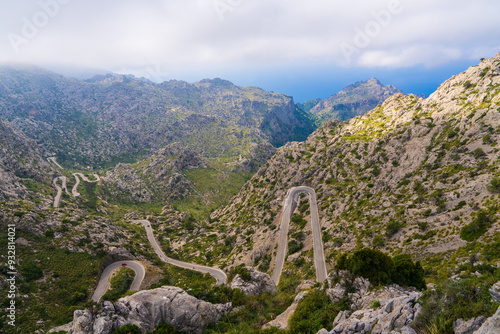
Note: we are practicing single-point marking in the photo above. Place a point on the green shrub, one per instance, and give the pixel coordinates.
(452, 300)
(241, 270)
(460, 205)
(314, 311)
(380, 269)
(18, 214)
(375, 303)
(31, 272)
(478, 153)
(423, 225)
(467, 84)
(165, 329)
(220, 294)
(494, 185)
(393, 227)
(120, 284)
(378, 241)
(299, 220)
(477, 227)
(408, 273)
(294, 246)
(128, 329)
(368, 263)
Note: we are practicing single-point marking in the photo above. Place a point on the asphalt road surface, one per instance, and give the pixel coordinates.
(288, 208)
(218, 274)
(57, 199)
(104, 284)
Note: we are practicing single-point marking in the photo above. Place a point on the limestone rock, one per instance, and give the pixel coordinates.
(468, 327)
(259, 283)
(147, 309)
(491, 325)
(397, 309)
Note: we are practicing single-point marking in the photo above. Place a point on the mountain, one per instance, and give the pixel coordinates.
(116, 118)
(417, 176)
(21, 163)
(353, 100)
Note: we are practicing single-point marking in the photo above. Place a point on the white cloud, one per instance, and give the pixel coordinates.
(115, 34)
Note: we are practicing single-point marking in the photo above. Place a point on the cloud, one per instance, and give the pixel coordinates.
(174, 34)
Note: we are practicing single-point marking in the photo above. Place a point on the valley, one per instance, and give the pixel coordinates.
(240, 204)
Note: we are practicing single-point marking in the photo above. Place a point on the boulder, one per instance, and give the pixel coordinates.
(147, 309)
(259, 283)
(491, 325)
(468, 327)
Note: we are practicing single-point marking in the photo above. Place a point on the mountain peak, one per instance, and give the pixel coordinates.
(354, 100)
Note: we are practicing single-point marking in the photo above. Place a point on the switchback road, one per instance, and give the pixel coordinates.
(104, 284)
(218, 274)
(288, 208)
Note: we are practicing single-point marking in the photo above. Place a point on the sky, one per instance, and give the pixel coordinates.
(305, 49)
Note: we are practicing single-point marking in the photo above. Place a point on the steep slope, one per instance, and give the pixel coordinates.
(414, 175)
(119, 118)
(21, 163)
(354, 100)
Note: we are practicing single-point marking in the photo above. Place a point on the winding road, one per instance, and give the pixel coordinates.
(57, 199)
(104, 285)
(74, 191)
(288, 208)
(216, 273)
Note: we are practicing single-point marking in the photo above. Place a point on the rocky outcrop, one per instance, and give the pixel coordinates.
(468, 327)
(398, 308)
(147, 309)
(491, 325)
(388, 310)
(259, 283)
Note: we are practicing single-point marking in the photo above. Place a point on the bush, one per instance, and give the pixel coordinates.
(375, 303)
(407, 273)
(165, 329)
(477, 227)
(380, 269)
(128, 329)
(452, 300)
(368, 263)
(241, 270)
(120, 284)
(378, 241)
(494, 185)
(294, 246)
(478, 153)
(220, 294)
(393, 227)
(31, 272)
(314, 311)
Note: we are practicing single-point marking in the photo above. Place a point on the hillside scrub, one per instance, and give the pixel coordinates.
(380, 269)
(452, 300)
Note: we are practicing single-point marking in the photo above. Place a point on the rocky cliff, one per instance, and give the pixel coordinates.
(148, 309)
